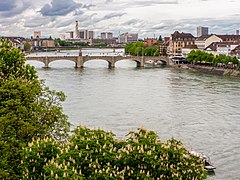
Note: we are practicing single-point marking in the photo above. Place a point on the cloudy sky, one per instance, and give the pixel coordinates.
(146, 17)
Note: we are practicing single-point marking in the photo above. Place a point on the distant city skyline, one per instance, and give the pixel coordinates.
(148, 17)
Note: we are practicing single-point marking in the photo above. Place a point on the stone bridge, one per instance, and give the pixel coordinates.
(80, 60)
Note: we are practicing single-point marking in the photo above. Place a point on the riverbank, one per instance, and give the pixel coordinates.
(208, 69)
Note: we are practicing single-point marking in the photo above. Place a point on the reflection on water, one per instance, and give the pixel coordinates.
(201, 110)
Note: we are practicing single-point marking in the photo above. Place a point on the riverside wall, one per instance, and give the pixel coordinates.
(208, 69)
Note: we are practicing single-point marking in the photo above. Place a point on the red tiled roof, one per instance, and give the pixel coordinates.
(166, 38)
(228, 43)
(226, 37)
(237, 48)
(176, 35)
(203, 37)
(214, 45)
(191, 46)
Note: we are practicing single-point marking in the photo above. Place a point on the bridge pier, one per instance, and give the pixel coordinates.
(142, 62)
(111, 64)
(46, 62)
(79, 62)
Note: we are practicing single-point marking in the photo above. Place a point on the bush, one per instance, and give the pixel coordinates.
(97, 154)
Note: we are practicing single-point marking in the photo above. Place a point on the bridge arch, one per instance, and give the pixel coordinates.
(108, 59)
(60, 59)
(48, 59)
(36, 63)
(138, 62)
(61, 63)
(97, 62)
(39, 59)
(53, 59)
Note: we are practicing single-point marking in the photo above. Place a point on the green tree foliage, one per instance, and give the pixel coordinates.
(27, 46)
(100, 44)
(59, 42)
(151, 51)
(139, 49)
(27, 109)
(96, 154)
(12, 64)
(160, 38)
(203, 57)
(235, 60)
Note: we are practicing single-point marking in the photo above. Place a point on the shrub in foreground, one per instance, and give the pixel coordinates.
(96, 154)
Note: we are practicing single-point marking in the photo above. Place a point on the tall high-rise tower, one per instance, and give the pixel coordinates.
(202, 31)
(77, 34)
(237, 32)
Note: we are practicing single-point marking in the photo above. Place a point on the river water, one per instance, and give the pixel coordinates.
(201, 110)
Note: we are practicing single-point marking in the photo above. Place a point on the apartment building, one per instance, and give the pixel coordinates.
(178, 41)
(204, 41)
(226, 48)
(128, 38)
(150, 41)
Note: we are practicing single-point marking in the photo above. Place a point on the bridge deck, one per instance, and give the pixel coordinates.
(80, 60)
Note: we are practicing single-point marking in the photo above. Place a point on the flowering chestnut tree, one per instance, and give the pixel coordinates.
(96, 154)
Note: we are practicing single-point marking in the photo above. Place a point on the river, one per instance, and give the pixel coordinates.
(201, 110)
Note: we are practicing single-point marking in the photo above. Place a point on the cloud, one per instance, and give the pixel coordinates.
(88, 6)
(216, 26)
(109, 1)
(10, 8)
(59, 7)
(142, 2)
(113, 15)
(131, 22)
(7, 5)
(154, 2)
(38, 21)
(97, 19)
(146, 17)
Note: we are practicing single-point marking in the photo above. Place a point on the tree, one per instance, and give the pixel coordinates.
(96, 154)
(138, 49)
(28, 109)
(235, 60)
(27, 46)
(12, 64)
(59, 42)
(160, 38)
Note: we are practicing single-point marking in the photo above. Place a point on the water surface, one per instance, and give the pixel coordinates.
(199, 109)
